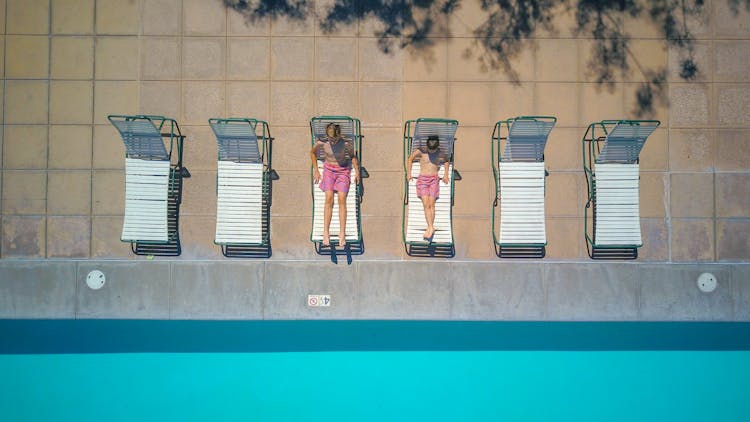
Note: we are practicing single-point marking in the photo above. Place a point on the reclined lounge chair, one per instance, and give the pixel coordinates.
(517, 151)
(611, 149)
(350, 130)
(153, 183)
(413, 220)
(243, 187)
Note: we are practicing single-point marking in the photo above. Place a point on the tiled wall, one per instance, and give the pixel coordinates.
(69, 63)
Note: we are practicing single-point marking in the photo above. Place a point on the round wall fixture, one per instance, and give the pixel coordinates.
(707, 282)
(95, 280)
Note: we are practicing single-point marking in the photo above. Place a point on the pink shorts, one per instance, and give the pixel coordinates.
(335, 178)
(428, 185)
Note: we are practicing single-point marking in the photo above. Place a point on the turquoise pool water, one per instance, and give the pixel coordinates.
(522, 378)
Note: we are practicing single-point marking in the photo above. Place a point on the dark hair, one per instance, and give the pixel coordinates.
(433, 141)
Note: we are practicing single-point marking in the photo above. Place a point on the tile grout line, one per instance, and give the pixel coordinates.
(94, 40)
(2, 141)
(47, 126)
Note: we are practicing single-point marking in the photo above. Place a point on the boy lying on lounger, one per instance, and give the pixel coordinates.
(339, 158)
(428, 188)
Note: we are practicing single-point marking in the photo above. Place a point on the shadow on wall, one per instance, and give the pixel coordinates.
(510, 27)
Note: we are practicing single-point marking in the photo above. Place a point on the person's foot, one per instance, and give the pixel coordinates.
(429, 233)
(326, 240)
(342, 240)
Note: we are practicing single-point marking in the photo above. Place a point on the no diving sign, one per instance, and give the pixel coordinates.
(318, 300)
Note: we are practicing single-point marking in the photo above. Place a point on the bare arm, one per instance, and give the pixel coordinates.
(355, 166)
(446, 178)
(410, 160)
(314, 162)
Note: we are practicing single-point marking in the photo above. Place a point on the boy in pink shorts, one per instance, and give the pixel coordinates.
(428, 187)
(339, 158)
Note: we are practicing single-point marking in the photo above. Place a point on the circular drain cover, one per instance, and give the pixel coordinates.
(95, 280)
(707, 282)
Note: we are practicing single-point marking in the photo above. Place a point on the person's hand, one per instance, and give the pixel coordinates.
(316, 176)
(409, 178)
(356, 178)
(445, 178)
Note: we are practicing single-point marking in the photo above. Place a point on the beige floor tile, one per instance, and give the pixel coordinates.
(114, 98)
(691, 195)
(27, 56)
(70, 147)
(105, 238)
(71, 102)
(204, 17)
(162, 17)
(733, 195)
(27, 16)
(68, 237)
(212, 97)
(108, 192)
(25, 147)
(117, 17)
(692, 240)
(160, 58)
(24, 192)
(73, 16)
(72, 58)
(69, 192)
(733, 240)
(336, 99)
(425, 99)
(204, 58)
(691, 150)
(291, 103)
(23, 237)
(248, 58)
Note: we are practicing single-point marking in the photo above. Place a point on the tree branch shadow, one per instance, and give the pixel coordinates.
(512, 26)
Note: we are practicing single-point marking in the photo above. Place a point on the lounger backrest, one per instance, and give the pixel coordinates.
(319, 130)
(526, 140)
(624, 142)
(445, 131)
(141, 138)
(237, 142)
(347, 127)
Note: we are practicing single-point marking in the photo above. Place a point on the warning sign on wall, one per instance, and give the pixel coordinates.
(318, 300)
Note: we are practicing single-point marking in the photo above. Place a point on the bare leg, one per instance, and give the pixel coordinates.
(342, 218)
(428, 203)
(327, 214)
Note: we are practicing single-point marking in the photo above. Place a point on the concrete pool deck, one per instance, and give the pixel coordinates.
(375, 289)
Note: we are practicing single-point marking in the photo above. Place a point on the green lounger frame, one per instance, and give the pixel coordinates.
(350, 129)
(442, 245)
(244, 182)
(611, 151)
(153, 144)
(517, 145)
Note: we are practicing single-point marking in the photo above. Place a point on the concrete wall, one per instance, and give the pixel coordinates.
(183, 289)
(68, 63)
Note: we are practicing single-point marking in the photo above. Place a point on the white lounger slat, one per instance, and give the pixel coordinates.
(352, 230)
(239, 203)
(617, 205)
(522, 203)
(416, 223)
(146, 189)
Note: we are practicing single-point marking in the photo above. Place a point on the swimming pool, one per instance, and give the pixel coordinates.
(373, 370)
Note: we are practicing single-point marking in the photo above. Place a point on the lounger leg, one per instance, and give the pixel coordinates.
(327, 214)
(342, 218)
